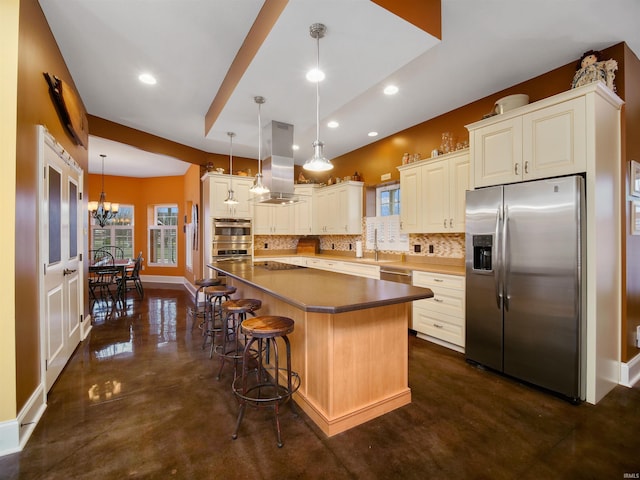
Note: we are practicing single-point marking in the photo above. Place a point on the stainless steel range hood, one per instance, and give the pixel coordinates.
(277, 166)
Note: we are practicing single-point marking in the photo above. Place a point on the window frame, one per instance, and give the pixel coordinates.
(112, 228)
(154, 225)
(388, 188)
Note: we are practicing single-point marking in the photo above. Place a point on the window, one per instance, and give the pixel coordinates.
(163, 235)
(117, 232)
(388, 200)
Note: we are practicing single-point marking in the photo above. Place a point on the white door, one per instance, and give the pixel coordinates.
(61, 246)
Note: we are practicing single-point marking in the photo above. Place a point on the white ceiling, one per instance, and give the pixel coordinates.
(189, 45)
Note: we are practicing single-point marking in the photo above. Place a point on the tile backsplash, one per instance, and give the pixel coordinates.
(446, 245)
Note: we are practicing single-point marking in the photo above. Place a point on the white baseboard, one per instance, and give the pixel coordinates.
(162, 279)
(85, 327)
(15, 433)
(630, 372)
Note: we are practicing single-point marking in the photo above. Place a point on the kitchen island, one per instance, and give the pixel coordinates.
(350, 343)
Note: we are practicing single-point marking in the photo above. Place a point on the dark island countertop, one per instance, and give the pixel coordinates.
(313, 290)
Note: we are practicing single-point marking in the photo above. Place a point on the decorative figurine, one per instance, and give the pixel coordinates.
(590, 69)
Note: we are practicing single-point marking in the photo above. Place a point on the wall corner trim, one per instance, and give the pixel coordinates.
(630, 372)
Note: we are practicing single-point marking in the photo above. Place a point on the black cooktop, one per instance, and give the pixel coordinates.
(270, 265)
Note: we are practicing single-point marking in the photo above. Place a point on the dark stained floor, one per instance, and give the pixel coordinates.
(139, 400)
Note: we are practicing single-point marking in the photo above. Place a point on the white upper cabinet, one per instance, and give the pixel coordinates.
(304, 213)
(339, 208)
(554, 140)
(215, 188)
(410, 197)
(432, 194)
(541, 140)
(272, 219)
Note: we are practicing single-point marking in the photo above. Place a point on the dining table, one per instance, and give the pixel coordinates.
(121, 265)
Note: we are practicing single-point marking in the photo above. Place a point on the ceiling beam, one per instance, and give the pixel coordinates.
(266, 19)
(425, 14)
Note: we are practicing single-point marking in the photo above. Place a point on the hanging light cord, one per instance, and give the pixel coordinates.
(259, 140)
(230, 160)
(318, 89)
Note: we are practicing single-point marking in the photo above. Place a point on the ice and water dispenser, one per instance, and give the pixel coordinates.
(482, 245)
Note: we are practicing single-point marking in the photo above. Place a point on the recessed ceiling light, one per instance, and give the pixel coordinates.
(295, 147)
(333, 124)
(314, 75)
(373, 134)
(390, 90)
(147, 78)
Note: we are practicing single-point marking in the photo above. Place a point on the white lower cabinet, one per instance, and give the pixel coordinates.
(441, 318)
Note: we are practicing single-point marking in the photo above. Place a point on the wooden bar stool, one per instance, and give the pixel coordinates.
(215, 296)
(234, 312)
(262, 388)
(201, 310)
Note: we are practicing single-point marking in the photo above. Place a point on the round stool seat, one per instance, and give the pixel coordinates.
(234, 306)
(268, 326)
(220, 290)
(253, 303)
(241, 305)
(208, 282)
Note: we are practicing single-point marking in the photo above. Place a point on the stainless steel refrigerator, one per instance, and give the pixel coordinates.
(525, 282)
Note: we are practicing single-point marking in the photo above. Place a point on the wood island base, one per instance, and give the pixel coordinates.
(353, 365)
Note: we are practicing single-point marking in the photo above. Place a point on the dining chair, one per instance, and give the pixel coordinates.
(133, 276)
(117, 252)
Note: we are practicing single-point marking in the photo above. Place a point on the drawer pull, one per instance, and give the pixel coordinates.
(438, 280)
(437, 300)
(437, 326)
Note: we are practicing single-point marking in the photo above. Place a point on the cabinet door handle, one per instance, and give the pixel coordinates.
(451, 222)
(445, 223)
(516, 169)
(526, 166)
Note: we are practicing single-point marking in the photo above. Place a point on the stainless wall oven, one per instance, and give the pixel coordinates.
(232, 239)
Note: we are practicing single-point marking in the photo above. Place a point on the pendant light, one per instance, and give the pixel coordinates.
(258, 187)
(317, 163)
(230, 200)
(103, 211)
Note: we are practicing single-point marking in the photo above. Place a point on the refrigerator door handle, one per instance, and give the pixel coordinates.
(505, 258)
(497, 268)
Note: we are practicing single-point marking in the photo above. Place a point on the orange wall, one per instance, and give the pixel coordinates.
(37, 53)
(143, 194)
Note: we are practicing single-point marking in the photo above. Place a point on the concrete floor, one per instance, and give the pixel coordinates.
(139, 399)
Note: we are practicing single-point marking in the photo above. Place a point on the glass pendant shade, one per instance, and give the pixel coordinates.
(318, 162)
(258, 186)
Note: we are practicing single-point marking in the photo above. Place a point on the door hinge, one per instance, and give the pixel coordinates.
(46, 364)
(79, 195)
(45, 268)
(80, 257)
(81, 318)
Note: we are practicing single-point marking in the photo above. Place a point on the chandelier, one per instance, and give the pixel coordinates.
(103, 211)
(318, 162)
(258, 187)
(231, 200)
